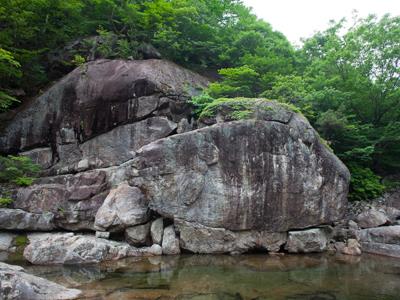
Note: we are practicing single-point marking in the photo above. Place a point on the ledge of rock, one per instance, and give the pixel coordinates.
(15, 283)
(382, 240)
(68, 248)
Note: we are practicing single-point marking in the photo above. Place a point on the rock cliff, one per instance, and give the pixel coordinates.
(121, 154)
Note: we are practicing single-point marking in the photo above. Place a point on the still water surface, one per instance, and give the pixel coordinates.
(256, 277)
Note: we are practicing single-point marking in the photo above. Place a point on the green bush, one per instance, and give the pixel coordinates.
(5, 201)
(364, 184)
(19, 170)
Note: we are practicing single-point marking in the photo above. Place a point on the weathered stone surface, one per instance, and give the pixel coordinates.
(138, 235)
(383, 240)
(16, 284)
(67, 248)
(41, 156)
(113, 147)
(157, 230)
(245, 175)
(125, 206)
(371, 218)
(385, 235)
(307, 241)
(72, 199)
(201, 239)
(95, 98)
(7, 241)
(170, 243)
(17, 219)
(381, 249)
(102, 235)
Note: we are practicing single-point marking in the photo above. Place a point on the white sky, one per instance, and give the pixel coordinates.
(301, 18)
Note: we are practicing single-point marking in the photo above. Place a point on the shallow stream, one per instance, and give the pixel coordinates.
(208, 277)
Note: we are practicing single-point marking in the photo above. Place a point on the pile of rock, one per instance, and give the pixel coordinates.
(372, 227)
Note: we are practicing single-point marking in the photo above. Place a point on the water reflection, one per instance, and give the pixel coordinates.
(261, 277)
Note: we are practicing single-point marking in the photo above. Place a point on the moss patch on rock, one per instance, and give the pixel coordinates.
(231, 109)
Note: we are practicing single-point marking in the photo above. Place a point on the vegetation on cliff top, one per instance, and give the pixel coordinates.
(347, 85)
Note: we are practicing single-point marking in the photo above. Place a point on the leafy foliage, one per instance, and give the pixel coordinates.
(19, 170)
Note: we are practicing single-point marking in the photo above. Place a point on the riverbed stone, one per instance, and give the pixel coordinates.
(372, 218)
(15, 283)
(18, 219)
(125, 206)
(138, 235)
(170, 243)
(382, 240)
(68, 248)
(157, 230)
(307, 241)
(353, 247)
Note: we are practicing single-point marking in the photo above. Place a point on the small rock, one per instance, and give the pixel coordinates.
(103, 235)
(170, 243)
(138, 235)
(353, 225)
(339, 246)
(306, 241)
(7, 241)
(371, 218)
(352, 248)
(16, 284)
(156, 230)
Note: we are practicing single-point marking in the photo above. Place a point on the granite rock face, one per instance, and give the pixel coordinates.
(97, 97)
(86, 126)
(16, 284)
(72, 199)
(17, 219)
(201, 239)
(245, 175)
(67, 248)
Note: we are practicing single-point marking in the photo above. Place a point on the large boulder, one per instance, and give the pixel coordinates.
(97, 97)
(270, 173)
(16, 284)
(67, 248)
